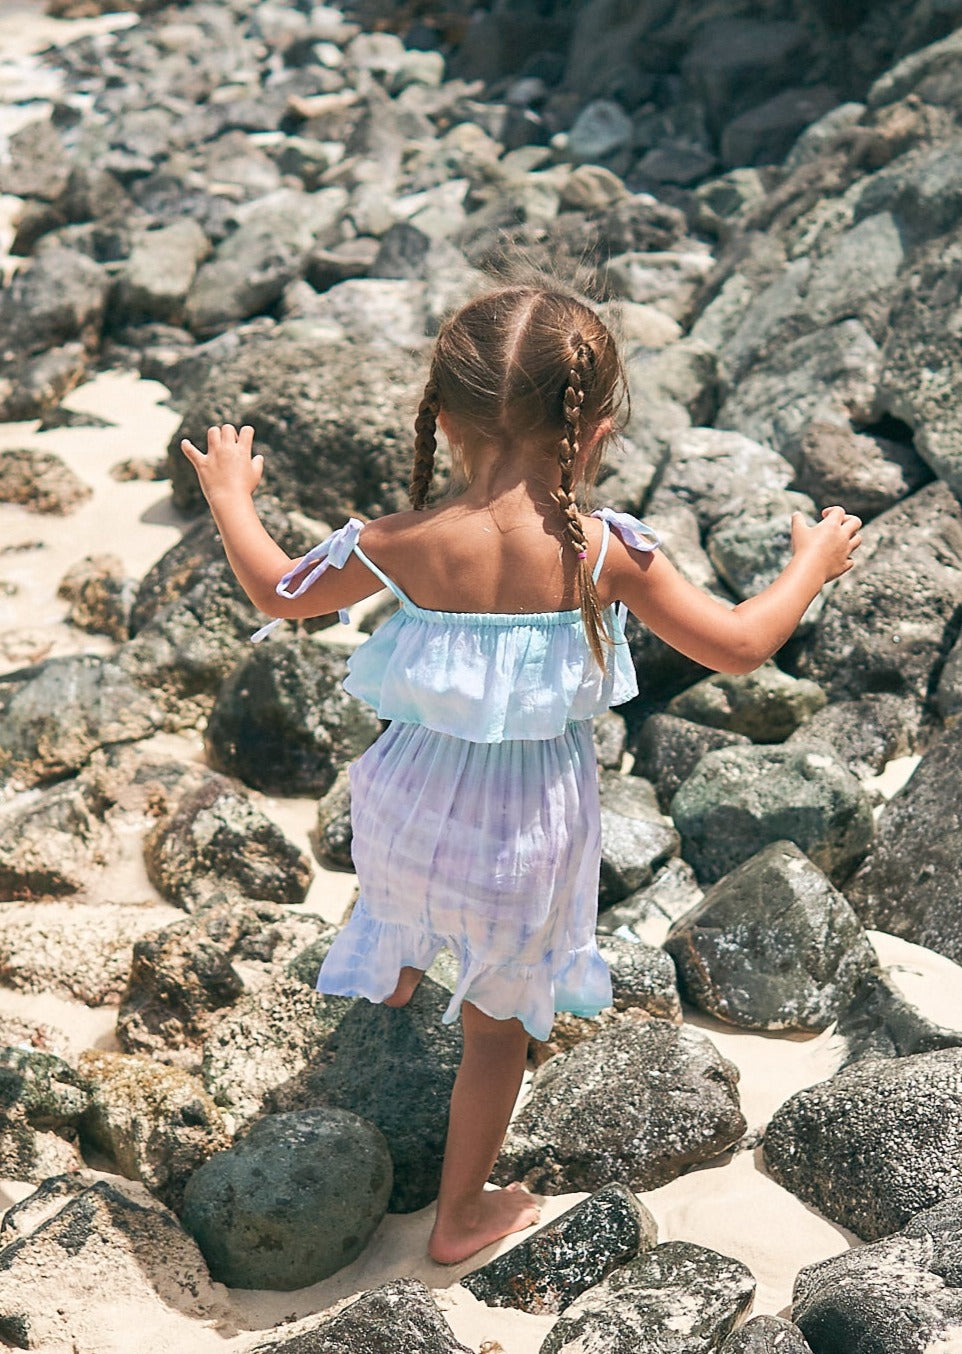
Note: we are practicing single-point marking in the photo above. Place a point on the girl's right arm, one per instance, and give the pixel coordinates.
(737, 639)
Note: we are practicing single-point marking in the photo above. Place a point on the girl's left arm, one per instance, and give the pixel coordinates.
(228, 475)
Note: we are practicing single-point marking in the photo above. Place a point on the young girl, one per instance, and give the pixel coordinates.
(475, 815)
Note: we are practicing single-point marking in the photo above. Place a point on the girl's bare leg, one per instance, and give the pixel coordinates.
(406, 983)
(485, 1090)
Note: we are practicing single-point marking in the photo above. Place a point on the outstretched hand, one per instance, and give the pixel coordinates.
(228, 465)
(833, 539)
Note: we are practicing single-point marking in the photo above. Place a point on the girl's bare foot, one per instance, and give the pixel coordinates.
(406, 983)
(496, 1214)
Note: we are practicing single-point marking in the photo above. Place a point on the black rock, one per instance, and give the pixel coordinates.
(667, 749)
(879, 1023)
(677, 1297)
(766, 1335)
(773, 945)
(547, 1271)
(639, 1103)
(400, 1315)
(332, 835)
(876, 1143)
(864, 734)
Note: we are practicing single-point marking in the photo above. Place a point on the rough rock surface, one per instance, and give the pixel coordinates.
(332, 835)
(638, 1104)
(100, 595)
(635, 836)
(773, 945)
(766, 1335)
(50, 846)
(42, 1100)
(676, 1296)
(876, 1143)
(765, 705)
(547, 1271)
(400, 1314)
(739, 799)
(293, 1201)
(880, 1023)
(667, 749)
(41, 482)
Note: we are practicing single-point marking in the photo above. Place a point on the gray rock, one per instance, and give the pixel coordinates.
(876, 1143)
(42, 1101)
(880, 1023)
(601, 130)
(712, 470)
(763, 135)
(909, 883)
(31, 387)
(548, 1270)
(639, 1103)
(920, 366)
(635, 836)
(684, 373)
(739, 799)
(834, 370)
(396, 1067)
(36, 164)
(158, 1124)
(100, 595)
(60, 296)
(54, 715)
(675, 163)
(920, 190)
(765, 705)
(610, 735)
(401, 1314)
(887, 625)
(41, 482)
(766, 1335)
(772, 945)
(822, 134)
(107, 1247)
(642, 977)
(863, 734)
(866, 473)
(262, 1054)
(283, 723)
(380, 313)
(733, 62)
(332, 833)
(721, 200)
(324, 268)
(158, 274)
(948, 697)
(292, 1202)
(677, 1297)
(848, 1298)
(216, 837)
(648, 914)
(51, 845)
(668, 279)
(932, 73)
(751, 545)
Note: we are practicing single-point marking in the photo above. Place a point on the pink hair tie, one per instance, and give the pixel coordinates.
(582, 554)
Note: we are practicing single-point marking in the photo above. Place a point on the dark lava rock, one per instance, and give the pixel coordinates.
(42, 1101)
(282, 721)
(332, 835)
(880, 1023)
(888, 624)
(765, 705)
(772, 946)
(293, 1201)
(362, 400)
(678, 1298)
(895, 1296)
(41, 482)
(864, 734)
(53, 716)
(642, 977)
(876, 1143)
(635, 837)
(397, 1068)
(766, 1335)
(100, 595)
(909, 884)
(667, 749)
(739, 799)
(59, 296)
(547, 1271)
(216, 838)
(639, 1104)
(400, 1315)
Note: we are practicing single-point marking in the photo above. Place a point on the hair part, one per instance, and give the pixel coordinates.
(538, 364)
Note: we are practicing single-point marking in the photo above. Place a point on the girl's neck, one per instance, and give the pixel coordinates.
(522, 479)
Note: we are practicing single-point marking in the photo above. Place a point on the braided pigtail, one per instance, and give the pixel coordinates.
(425, 445)
(568, 449)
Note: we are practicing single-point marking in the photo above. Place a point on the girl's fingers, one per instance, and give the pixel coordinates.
(193, 454)
(246, 436)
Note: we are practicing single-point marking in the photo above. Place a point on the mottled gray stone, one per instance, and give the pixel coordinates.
(51, 845)
(292, 1202)
(159, 271)
(58, 297)
(610, 736)
(880, 1023)
(548, 1270)
(677, 1297)
(635, 837)
(845, 1302)
(772, 945)
(876, 1143)
(712, 469)
(40, 482)
(282, 721)
(766, 1335)
(865, 472)
(765, 705)
(648, 914)
(739, 799)
(642, 977)
(639, 1104)
(332, 834)
(667, 749)
(751, 545)
(397, 1315)
(863, 734)
(909, 883)
(42, 1101)
(764, 134)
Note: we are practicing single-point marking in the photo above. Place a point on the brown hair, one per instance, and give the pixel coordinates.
(528, 361)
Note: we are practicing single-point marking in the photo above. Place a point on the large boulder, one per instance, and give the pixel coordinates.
(766, 1335)
(293, 1201)
(765, 705)
(909, 883)
(397, 1315)
(639, 1103)
(667, 748)
(773, 945)
(739, 799)
(676, 1296)
(283, 723)
(158, 272)
(876, 1143)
